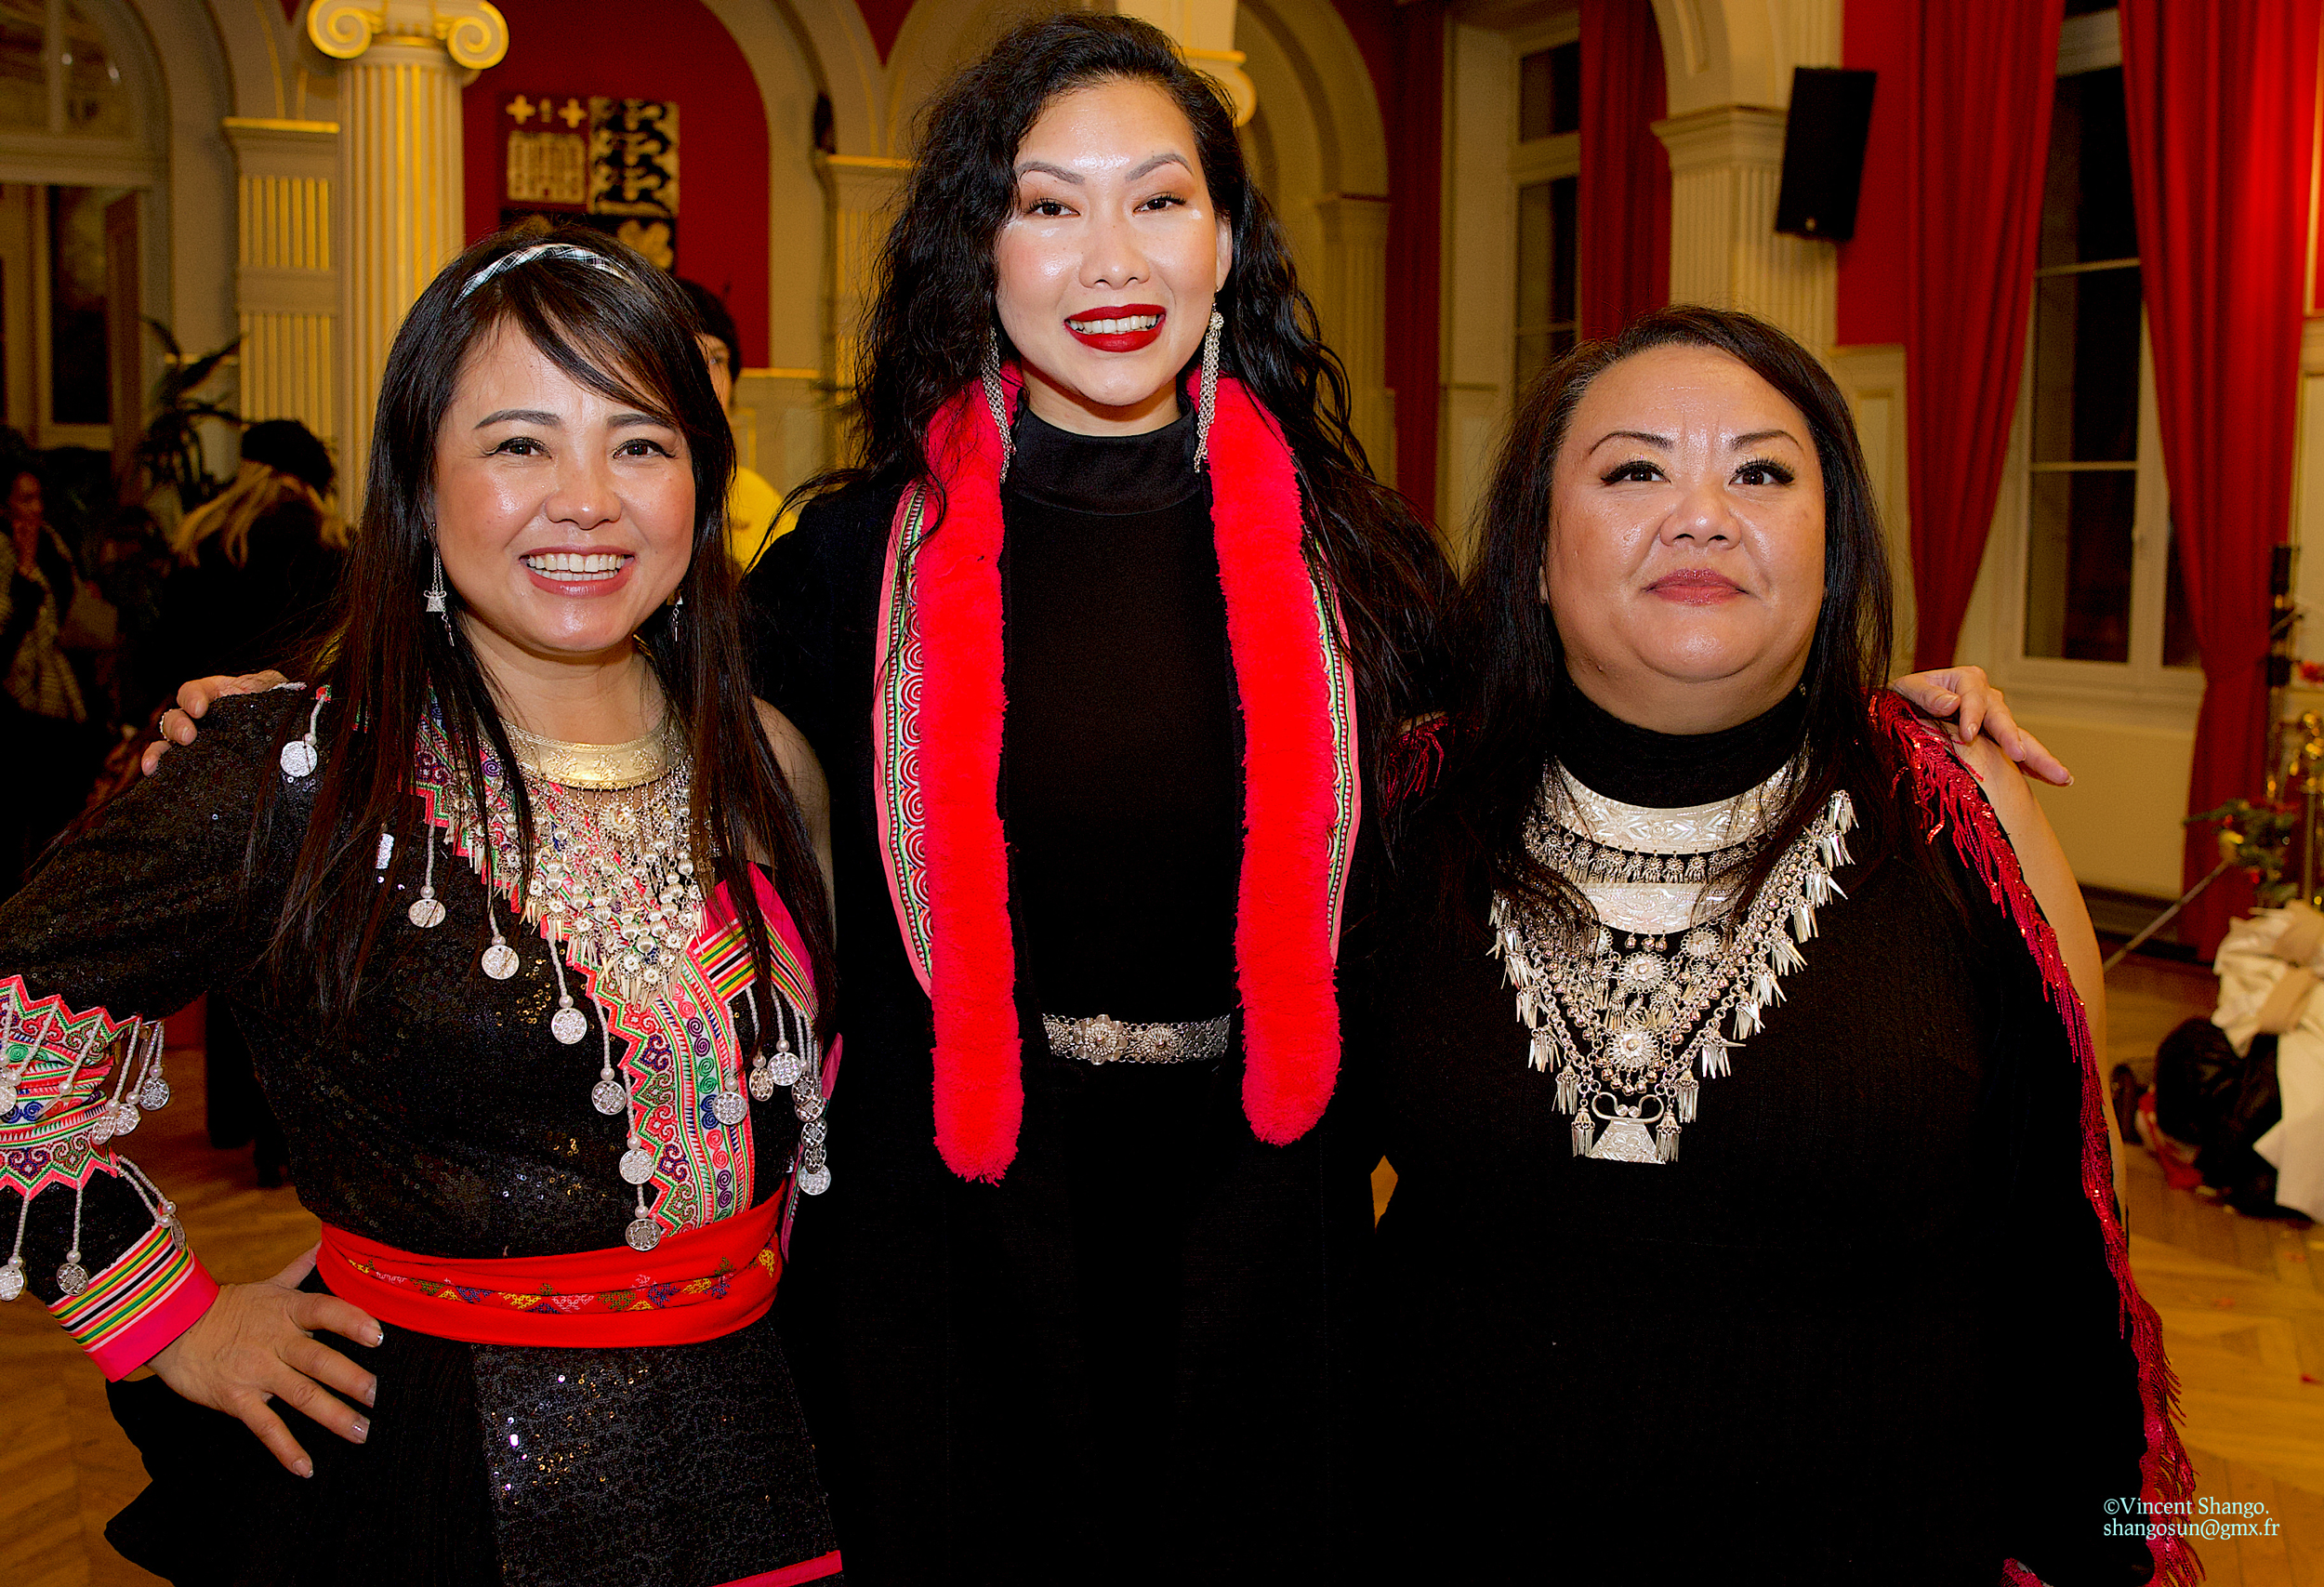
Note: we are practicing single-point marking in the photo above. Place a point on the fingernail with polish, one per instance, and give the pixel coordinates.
(304, 1467)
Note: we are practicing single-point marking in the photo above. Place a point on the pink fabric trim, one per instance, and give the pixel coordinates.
(814, 1570)
(1284, 902)
(1949, 795)
(972, 960)
(159, 1326)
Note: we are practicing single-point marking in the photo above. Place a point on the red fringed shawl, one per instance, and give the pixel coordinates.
(1948, 796)
(936, 764)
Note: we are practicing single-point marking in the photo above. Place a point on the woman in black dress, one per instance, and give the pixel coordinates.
(1754, 1212)
(1096, 646)
(521, 909)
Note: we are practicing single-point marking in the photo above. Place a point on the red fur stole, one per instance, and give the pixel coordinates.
(1300, 783)
(1948, 796)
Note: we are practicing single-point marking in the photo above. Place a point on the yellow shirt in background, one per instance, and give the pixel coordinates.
(750, 509)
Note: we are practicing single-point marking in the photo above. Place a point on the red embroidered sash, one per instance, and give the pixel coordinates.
(699, 1284)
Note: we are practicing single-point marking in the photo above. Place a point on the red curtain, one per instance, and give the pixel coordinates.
(1977, 88)
(2222, 110)
(1416, 178)
(1623, 204)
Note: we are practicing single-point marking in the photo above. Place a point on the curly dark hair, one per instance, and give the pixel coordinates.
(1510, 664)
(926, 333)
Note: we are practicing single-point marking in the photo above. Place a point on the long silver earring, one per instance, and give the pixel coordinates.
(438, 594)
(677, 609)
(1206, 391)
(997, 399)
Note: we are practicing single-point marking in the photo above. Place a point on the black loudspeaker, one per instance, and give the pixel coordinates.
(1823, 152)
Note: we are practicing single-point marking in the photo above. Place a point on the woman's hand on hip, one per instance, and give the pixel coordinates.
(1974, 706)
(195, 698)
(256, 1345)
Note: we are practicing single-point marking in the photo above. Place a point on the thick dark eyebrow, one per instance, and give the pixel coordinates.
(550, 421)
(1663, 441)
(1148, 167)
(1756, 436)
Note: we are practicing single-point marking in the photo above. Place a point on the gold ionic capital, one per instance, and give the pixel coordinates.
(472, 32)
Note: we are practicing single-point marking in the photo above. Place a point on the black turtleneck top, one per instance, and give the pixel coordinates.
(1121, 753)
(1859, 1329)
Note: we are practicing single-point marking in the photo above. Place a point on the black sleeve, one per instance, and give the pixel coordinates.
(131, 920)
(806, 599)
(2072, 1427)
(24, 598)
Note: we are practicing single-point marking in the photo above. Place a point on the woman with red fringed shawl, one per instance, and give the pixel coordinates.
(1755, 1215)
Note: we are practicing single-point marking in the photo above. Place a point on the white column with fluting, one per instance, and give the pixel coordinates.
(1726, 135)
(402, 66)
(287, 285)
(1354, 313)
(863, 191)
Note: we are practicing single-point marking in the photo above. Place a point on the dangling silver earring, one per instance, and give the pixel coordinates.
(677, 609)
(997, 399)
(437, 594)
(1206, 391)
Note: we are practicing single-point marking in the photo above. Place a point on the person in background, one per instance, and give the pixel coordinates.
(255, 570)
(753, 521)
(257, 565)
(46, 726)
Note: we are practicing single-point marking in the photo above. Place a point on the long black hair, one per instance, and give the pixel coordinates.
(1512, 677)
(925, 335)
(626, 333)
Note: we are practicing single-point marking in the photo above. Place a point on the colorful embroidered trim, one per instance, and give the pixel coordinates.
(150, 1294)
(1949, 795)
(903, 816)
(44, 1137)
(701, 1284)
(678, 1041)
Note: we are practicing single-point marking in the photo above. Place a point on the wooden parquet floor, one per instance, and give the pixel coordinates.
(2241, 1300)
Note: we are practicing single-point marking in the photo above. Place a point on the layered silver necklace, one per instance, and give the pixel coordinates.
(1637, 1006)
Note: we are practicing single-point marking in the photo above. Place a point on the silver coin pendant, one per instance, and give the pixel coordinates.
(156, 1096)
(786, 1068)
(815, 1181)
(729, 1106)
(609, 1097)
(71, 1278)
(500, 961)
(636, 1165)
(644, 1234)
(11, 1280)
(426, 911)
(298, 758)
(568, 1025)
(762, 1084)
(125, 1119)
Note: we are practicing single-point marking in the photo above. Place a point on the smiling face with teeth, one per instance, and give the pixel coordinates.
(1110, 259)
(564, 517)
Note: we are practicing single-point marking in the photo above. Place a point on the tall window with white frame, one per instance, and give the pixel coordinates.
(1545, 164)
(2101, 569)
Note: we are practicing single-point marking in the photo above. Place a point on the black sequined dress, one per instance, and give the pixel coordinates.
(443, 1118)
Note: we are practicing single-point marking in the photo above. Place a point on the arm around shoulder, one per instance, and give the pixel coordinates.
(804, 774)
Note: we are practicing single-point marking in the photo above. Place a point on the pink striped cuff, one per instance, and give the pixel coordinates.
(152, 1292)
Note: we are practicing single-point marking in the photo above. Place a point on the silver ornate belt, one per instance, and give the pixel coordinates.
(1101, 1038)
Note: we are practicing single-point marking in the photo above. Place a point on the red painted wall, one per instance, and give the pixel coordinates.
(597, 46)
(1874, 38)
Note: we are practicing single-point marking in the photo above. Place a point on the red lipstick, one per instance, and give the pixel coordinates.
(1118, 340)
(1694, 587)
